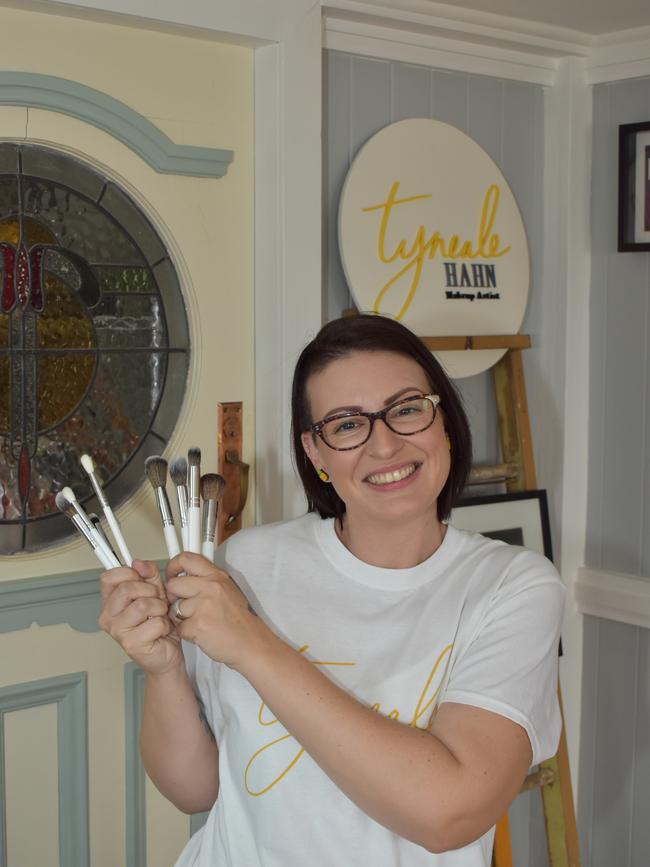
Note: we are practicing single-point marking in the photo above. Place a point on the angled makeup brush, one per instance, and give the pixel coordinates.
(212, 488)
(156, 470)
(178, 472)
(73, 510)
(194, 500)
(89, 466)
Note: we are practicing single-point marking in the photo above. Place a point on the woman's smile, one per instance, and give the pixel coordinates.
(391, 478)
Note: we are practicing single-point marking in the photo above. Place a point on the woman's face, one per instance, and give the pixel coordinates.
(390, 477)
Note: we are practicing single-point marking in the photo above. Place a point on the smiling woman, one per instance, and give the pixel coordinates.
(365, 678)
(372, 338)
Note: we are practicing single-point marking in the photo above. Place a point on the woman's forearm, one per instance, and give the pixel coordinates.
(405, 778)
(178, 749)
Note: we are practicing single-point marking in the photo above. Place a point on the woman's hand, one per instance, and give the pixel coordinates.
(135, 614)
(216, 615)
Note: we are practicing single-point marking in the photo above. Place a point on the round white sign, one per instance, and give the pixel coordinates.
(430, 233)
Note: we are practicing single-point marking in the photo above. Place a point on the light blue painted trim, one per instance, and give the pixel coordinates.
(72, 598)
(136, 829)
(69, 692)
(114, 117)
(197, 821)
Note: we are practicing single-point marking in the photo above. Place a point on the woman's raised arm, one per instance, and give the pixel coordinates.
(178, 749)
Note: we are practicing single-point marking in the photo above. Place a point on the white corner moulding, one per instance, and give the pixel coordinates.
(446, 37)
(613, 595)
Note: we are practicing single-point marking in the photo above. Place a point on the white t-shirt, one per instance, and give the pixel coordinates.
(476, 623)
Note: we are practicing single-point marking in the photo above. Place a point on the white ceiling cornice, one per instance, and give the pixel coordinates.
(437, 19)
(437, 34)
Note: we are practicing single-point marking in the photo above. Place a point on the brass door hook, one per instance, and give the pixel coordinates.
(231, 466)
(232, 458)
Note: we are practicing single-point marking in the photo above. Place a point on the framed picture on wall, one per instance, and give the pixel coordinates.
(519, 519)
(634, 187)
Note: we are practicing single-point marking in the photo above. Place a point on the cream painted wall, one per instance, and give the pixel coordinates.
(198, 92)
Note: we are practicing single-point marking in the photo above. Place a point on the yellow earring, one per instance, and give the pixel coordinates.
(322, 475)
(448, 441)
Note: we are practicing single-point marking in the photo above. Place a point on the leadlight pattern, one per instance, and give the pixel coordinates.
(94, 341)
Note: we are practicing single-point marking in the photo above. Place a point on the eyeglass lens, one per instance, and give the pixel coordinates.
(407, 417)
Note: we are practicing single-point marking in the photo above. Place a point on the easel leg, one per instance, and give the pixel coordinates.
(502, 852)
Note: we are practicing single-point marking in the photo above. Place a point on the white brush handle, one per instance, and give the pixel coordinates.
(194, 529)
(117, 535)
(103, 547)
(106, 558)
(185, 538)
(207, 549)
(171, 540)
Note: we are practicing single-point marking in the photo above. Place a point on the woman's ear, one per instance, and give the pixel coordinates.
(308, 444)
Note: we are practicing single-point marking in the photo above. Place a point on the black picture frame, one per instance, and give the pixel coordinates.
(634, 187)
(519, 518)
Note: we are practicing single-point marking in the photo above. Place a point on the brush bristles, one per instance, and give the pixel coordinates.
(194, 457)
(178, 471)
(156, 469)
(88, 464)
(69, 493)
(63, 504)
(212, 486)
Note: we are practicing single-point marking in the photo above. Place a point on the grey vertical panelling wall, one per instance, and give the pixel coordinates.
(615, 735)
(506, 118)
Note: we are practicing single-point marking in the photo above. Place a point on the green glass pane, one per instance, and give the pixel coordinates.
(124, 279)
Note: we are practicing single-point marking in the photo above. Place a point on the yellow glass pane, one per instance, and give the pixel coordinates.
(62, 383)
(35, 233)
(65, 322)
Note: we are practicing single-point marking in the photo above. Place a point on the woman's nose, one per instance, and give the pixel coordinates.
(383, 441)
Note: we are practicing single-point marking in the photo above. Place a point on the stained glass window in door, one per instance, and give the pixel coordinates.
(94, 341)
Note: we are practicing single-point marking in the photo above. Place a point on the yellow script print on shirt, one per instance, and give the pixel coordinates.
(273, 761)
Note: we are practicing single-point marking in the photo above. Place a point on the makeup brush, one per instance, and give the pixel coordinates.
(178, 472)
(97, 524)
(212, 488)
(71, 508)
(89, 466)
(156, 470)
(64, 505)
(194, 500)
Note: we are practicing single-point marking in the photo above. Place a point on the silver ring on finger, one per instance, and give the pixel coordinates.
(176, 610)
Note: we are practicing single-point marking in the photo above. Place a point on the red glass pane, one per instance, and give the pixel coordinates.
(8, 289)
(22, 276)
(23, 473)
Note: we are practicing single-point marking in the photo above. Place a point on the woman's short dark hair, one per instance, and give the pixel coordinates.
(367, 332)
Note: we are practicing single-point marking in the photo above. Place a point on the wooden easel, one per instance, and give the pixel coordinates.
(517, 470)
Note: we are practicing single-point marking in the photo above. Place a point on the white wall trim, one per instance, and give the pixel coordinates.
(481, 27)
(613, 595)
(373, 40)
(614, 60)
(422, 32)
(566, 287)
(288, 205)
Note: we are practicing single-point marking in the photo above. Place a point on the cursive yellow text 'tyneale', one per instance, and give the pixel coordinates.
(486, 245)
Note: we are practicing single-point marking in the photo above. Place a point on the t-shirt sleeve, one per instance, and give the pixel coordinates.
(509, 664)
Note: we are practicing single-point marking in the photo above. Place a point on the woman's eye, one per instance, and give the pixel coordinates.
(407, 409)
(346, 426)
